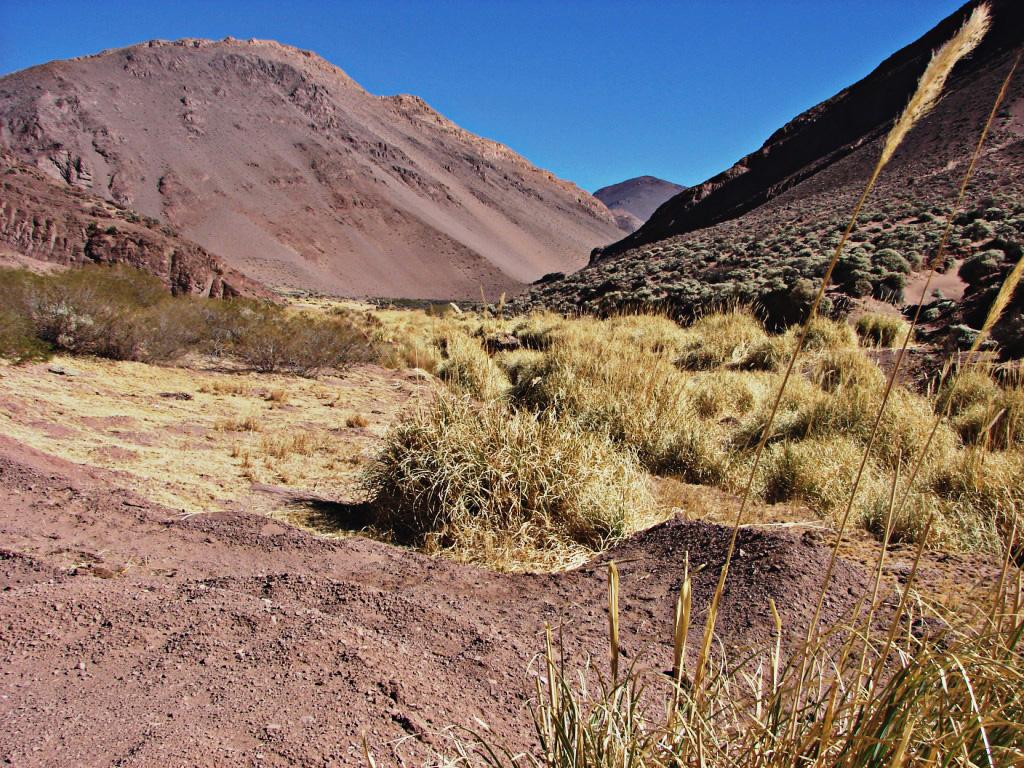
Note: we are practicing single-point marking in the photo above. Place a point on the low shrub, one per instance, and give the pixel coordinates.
(301, 344)
(124, 314)
(18, 341)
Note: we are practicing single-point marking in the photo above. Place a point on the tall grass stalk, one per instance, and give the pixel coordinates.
(927, 93)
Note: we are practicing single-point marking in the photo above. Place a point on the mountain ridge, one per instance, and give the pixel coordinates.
(822, 134)
(279, 162)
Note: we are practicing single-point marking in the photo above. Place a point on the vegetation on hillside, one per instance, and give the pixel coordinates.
(125, 314)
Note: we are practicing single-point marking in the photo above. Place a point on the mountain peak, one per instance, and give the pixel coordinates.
(274, 159)
(634, 200)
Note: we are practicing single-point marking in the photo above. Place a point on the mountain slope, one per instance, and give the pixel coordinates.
(276, 160)
(634, 200)
(762, 232)
(44, 223)
(819, 138)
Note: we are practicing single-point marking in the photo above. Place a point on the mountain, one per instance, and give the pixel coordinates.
(45, 224)
(761, 232)
(280, 163)
(634, 200)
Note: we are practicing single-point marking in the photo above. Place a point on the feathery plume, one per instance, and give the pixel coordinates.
(930, 86)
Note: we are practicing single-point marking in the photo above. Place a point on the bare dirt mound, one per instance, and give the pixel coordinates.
(134, 636)
(277, 161)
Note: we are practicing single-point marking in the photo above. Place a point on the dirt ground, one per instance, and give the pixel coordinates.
(136, 632)
(134, 635)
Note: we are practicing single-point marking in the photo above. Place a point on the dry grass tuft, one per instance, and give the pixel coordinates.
(356, 421)
(502, 486)
(882, 330)
(468, 369)
(596, 377)
(242, 423)
(280, 445)
(720, 338)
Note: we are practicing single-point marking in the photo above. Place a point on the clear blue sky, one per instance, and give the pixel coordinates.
(594, 91)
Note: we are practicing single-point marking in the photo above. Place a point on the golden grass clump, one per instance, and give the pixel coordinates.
(983, 412)
(654, 333)
(845, 369)
(484, 480)
(468, 369)
(538, 329)
(825, 334)
(519, 364)
(602, 381)
(769, 354)
(877, 330)
(720, 338)
(850, 410)
(725, 394)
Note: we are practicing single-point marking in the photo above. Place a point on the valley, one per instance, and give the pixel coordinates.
(332, 433)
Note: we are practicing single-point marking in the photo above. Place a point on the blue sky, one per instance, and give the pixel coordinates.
(594, 91)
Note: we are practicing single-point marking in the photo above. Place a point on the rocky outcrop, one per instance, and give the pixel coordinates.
(45, 221)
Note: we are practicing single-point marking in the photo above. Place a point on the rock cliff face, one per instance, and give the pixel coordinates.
(277, 161)
(634, 200)
(816, 141)
(43, 222)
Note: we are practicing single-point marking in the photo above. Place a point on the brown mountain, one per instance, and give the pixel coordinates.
(634, 200)
(277, 161)
(816, 141)
(46, 224)
(761, 232)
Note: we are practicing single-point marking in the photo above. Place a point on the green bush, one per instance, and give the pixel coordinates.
(302, 344)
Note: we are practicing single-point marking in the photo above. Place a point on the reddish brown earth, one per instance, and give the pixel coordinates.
(130, 635)
(46, 225)
(634, 200)
(277, 161)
